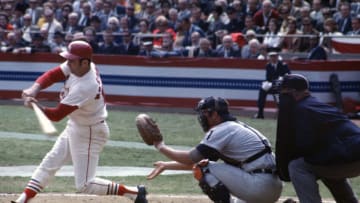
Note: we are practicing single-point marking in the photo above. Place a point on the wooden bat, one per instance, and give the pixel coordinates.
(46, 125)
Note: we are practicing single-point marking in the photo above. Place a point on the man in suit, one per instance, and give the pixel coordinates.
(28, 28)
(130, 14)
(274, 70)
(317, 51)
(107, 13)
(228, 49)
(355, 25)
(72, 24)
(35, 11)
(37, 45)
(85, 14)
(11, 44)
(109, 46)
(51, 24)
(204, 49)
(130, 47)
(186, 27)
(343, 18)
(91, 38)
(251, 50)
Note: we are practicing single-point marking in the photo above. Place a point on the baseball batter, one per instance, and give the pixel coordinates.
(82, 100)
(248, 168)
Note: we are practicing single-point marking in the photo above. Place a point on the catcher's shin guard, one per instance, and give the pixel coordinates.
(210, 185)
(217, 193)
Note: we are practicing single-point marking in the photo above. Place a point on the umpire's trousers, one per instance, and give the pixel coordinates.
(304, 177)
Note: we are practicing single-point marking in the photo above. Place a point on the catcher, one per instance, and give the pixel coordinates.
(248, 168)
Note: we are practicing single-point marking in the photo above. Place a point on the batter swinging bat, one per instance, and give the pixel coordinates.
(46, 125)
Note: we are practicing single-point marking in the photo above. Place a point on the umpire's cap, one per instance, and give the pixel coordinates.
(218, 104)
(78, 50)
(295, 81)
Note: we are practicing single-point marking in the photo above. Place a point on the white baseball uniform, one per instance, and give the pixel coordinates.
(83, 138)
(237, 141)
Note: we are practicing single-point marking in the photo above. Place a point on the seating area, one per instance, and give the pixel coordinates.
(181, 28)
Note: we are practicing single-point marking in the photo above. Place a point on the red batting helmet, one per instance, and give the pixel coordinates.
(78, 50)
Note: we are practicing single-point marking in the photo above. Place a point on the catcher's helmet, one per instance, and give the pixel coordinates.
(218, 104)
(78, 50)
(295, 81)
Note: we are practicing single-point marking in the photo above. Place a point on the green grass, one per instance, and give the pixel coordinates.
(15, 152)
(169, 184)
(178, 129)
(21, 152)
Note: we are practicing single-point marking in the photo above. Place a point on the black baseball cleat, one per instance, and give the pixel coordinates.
(258, 116)
(141, 196)
(289, 200)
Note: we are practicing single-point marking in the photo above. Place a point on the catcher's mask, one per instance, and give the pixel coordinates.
(211, 104)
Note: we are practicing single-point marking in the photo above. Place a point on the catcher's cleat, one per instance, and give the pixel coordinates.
(141, 196)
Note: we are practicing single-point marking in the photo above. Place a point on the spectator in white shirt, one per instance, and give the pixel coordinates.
(272, 38)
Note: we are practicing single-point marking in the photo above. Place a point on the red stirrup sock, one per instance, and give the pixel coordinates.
(122, 190)
(29, 193)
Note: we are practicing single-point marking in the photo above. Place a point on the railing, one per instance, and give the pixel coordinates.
(355, 41)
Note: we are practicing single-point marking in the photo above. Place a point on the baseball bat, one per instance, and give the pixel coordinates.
(46, 125)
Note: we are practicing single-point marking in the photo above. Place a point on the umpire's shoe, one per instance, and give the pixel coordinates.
(141, 196)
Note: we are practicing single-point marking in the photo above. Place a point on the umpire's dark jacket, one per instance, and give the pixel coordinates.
(316, 131)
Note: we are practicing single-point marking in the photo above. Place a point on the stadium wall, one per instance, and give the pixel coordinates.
(178, 82)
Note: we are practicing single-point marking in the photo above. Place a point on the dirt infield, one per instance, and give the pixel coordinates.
(81, 198)
(77, 198)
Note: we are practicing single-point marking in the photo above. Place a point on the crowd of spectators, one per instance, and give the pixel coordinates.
(187, 28)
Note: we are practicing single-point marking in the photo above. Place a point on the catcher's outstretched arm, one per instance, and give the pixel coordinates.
(173, 154)
(161, 166)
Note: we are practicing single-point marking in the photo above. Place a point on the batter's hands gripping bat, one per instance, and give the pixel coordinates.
(46, 125)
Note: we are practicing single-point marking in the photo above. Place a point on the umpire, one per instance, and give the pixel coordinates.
(315, 142)
(248, 168)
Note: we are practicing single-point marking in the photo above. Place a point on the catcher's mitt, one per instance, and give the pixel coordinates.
(148, 129)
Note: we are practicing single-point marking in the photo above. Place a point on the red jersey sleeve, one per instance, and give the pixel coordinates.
(59, 112)
(50, 77)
